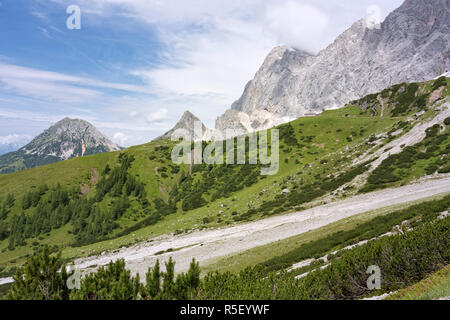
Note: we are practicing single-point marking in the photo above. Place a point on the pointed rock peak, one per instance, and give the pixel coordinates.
(279, 53)
(187, 115)
(187, 125)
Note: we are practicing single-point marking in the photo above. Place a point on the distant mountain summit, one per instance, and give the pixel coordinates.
(187, 126)
(68, 138)
(411, 45)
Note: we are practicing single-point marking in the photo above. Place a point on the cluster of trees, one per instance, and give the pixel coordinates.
(54, 207)
(118, 181)
(403, 259)
(440, 82)
(91, 223)
(287, 134)
(5, 207)
(304, 194)
(51, 212)
(409, 99)
(212, 182)
(45, 277)
(162, 209)
(435, 148)
(424, 212)
(32, 198)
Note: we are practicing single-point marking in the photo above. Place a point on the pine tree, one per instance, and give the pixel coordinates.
(26, 201)
(3, 212)
(168, 282)
(106, 170)
(10, 200)
(112, 282)
(193, 278)
(152, 289)
(40, 279)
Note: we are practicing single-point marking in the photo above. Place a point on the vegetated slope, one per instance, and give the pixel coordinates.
(100, 197)
(68, 138)
(437, 286)
(403, 259)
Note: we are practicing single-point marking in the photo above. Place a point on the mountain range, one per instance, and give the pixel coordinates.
(411, 45)
(68, 138)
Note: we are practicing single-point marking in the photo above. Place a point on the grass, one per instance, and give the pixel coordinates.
(432, 288)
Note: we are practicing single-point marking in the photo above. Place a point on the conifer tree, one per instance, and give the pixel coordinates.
(43, 277)
(3, 212)
(10, 200)
(152, 288)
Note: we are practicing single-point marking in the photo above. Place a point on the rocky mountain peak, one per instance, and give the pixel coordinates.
(68, 138)
(412, 45)
(188, 125)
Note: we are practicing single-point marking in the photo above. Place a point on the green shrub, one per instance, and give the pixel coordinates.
(441, 82)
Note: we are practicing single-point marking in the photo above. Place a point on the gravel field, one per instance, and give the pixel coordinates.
(212, 244)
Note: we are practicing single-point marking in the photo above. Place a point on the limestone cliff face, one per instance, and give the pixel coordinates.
(411, 45)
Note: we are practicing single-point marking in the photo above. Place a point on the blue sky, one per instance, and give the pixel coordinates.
(136, 65)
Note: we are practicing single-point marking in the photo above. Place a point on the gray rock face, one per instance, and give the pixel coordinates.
(68, 138)
(188, 127)
(411, 45)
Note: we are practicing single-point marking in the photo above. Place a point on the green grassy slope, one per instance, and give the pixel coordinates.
(315, 158)
(434, 287)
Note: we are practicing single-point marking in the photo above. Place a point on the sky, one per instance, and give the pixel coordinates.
(134, 66)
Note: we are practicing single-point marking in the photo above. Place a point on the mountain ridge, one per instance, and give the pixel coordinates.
(411, 45)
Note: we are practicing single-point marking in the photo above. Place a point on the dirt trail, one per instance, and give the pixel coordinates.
(211, 244)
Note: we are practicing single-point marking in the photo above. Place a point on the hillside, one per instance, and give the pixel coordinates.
(105, 201)
(68, 138)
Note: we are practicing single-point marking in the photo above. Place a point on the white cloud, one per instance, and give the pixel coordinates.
(45, 32)
(56, 86)
(158, 115)
(121, 138)
(14, 139)
(297, 25)
(212, 48)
